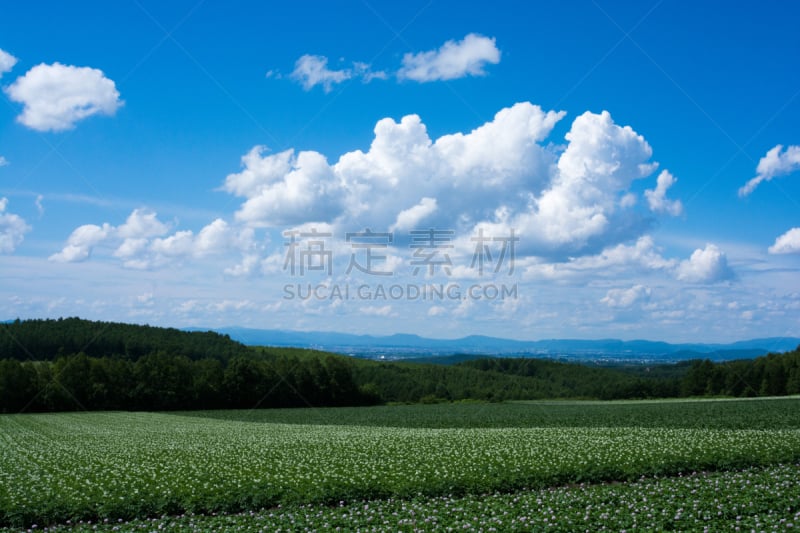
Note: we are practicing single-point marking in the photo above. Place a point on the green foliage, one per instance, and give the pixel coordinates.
(505, 379)
(159, 381)
(575, 380)
(753, 499)
(95, 466)
(443, 463)
(73, 364)
(119, 366)
(770, 375)
(17, 385)
(723, 414)
(45, 340)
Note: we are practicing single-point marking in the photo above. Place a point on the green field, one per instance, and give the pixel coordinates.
(448, 463)
(755, 499)
(761, 413)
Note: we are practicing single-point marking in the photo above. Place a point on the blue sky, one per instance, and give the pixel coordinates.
(639, 161)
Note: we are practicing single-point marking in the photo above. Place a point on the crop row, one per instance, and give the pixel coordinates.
(62, 467)
(740, 413)
(757, 499)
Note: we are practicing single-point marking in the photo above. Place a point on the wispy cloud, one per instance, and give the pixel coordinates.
(7, 62)
(312, 70)
(454, 59)
(775, 163)
(657, 198)
(12, 229)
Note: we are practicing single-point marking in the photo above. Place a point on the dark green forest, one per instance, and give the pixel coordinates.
(46, 340)
(510, 379)
(74, 364)
(769, 375)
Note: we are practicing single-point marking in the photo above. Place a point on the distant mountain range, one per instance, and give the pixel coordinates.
(405, 346)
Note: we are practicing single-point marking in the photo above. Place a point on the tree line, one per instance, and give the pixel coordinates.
(501, 379)
(73, 364)
(769, 375)
(46, 340)
(297, 378)
(159, 381)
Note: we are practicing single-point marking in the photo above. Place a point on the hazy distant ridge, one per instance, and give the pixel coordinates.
(407, 345)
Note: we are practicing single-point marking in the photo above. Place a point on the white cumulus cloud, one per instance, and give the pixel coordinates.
(216, 238)
(7, 62)
(259, 172)
(245, 267)
(131, 248)
(614, 262)
(409, 218)
(134, 233)
(503, 175)
(454, 59)
(706, 265)
(622, 298)
(469, 175)
(56, 97)
(80, 243)
(12, 229)
(375, 310)
(657, 198)
(142, 241)
(777, 162)
(286, 188)
(788, 243)
(142, 223)
(579, 208)
(437, 310)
